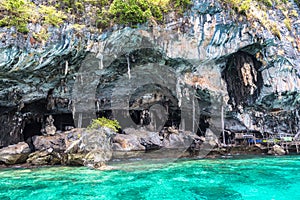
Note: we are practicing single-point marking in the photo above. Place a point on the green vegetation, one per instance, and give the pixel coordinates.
(19, 13)
(16, 13)
(101, 13)
(51, 15)
(132, 12)
(104, 122)
(256, 10)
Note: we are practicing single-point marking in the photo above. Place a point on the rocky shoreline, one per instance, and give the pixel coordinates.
(210, 83)
(95, 148)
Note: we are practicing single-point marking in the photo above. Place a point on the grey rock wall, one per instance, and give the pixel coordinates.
(206, 65)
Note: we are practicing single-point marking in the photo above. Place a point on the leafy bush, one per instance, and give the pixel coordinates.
(51, 15)
(104, 122)
(102, 13)
(132, 12)
(16, 13)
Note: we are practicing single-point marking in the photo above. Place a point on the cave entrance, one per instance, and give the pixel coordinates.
(32, 127)
(243, 78)
(63, 121)
(154, 106)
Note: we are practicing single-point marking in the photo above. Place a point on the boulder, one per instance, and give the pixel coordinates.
(15, 154)
(210, 138)
(76, 159)
(130, 142)
(40, 158)
(44, 142)
(73, 140)
(277, 150)
(96, 144)
(181, 140)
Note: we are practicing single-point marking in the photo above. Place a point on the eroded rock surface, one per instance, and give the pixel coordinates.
(15, 154)
(201, 74)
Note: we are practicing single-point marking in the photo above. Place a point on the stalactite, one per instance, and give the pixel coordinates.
(128, 67)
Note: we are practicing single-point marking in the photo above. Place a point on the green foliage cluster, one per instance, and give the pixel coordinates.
(132, 12)
(15, 13)
(51, 15)
(257, 10)
(104, 122)
(18, 13)
(102, 13)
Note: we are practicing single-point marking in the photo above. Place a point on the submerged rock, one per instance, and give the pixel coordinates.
(15, 154)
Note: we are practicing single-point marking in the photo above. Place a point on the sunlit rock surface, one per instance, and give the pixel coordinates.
(189, 74)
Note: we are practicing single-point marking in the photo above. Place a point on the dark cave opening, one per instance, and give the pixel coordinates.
(32, 128)
(63, 121)
(203, 125)
(154, 105)
(243, 77)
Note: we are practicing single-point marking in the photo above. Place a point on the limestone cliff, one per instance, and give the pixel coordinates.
(191, 72)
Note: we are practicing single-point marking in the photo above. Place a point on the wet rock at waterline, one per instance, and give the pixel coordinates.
(41, 158)
(277, 150)
(14, 154)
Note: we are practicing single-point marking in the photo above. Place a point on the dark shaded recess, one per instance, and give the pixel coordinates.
(204, 102)
(9, 133)
(160, 95)
(32, 127)
(203, 125)
(137, 57)
(104, 113)
(38, 107)
(239, 93)
(63, 120)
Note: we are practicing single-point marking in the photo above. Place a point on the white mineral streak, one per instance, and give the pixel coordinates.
(128, 66)
(66, 68)
(100, 57)
(178, 91)
(248, 78)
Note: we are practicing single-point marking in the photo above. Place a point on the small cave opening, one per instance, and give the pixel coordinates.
(243, 78)
(63, 121)
(203, 125)
(154, 105)
(204, 99)
(32, 127)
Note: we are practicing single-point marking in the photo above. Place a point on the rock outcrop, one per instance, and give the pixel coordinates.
(208, 73)
(14, 154)
(277, 150)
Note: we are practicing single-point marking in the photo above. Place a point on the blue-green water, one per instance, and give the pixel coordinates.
(254, 178)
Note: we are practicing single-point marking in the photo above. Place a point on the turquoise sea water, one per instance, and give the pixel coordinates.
(252, 178)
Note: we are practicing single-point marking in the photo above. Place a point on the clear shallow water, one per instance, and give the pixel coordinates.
(255, 178)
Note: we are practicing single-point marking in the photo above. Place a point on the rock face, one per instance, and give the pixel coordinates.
(56, 142)
(41, 158)
(215, 73)
(277, 150)
(76, 147)
(14, 154)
